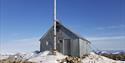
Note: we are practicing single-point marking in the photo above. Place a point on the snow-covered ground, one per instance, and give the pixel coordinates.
(47, 57)
(3, 56)
(94, 58)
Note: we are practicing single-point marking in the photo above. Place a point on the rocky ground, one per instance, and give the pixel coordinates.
(47, 57)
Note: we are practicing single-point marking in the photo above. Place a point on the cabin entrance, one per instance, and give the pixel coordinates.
(67, 46)
(60, 49)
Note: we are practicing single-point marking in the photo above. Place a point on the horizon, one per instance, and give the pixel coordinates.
(24, 22)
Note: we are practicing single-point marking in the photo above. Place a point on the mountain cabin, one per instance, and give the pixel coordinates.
(67, 42)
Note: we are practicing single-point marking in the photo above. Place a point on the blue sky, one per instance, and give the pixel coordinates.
(23, 22)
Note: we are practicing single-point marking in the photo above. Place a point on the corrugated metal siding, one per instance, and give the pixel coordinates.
(75, 47)
(78, 47)
(88, 48)
(48, 38)
(62, 35)
(84, 47)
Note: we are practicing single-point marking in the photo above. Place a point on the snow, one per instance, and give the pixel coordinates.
(116, 53)
(47, 57)
(94, 58)
(22, 56)
(110, 52)
(3, 57)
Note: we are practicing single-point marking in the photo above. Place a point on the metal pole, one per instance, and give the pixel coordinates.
(54, 10)
(54, 26)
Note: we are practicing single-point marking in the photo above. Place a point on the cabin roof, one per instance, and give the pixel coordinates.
(58, 23)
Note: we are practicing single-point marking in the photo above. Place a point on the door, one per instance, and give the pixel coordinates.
(60, 48)
(67, 46)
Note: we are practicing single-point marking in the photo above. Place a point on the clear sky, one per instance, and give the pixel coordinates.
(23, 22)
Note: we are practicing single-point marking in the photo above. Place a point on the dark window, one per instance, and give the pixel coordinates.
(60, 41)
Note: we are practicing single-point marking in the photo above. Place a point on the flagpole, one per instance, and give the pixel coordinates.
(54, 10)
(54, 26)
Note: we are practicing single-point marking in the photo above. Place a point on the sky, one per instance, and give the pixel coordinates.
(23, 22)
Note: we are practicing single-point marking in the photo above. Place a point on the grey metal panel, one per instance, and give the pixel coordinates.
(84, 47)
(62, 35)
(81, 46)
(75, 47)
(48, 38)
(88, 48)
(67, 46)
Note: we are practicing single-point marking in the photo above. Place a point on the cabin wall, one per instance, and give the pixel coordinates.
(88, 48)
(84, 47)
(63, 34)
(74, 44)
(47, 42)
(75, 47)
(78, 47)
(67, 42)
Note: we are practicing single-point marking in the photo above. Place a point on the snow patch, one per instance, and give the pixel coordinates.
(3, 56)
(94, 58)
(45, 57)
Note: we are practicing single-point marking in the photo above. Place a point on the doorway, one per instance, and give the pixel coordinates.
(67, 46)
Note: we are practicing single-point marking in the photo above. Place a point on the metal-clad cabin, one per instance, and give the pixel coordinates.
(68, 43)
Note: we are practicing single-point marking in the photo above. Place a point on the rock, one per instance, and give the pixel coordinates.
(70, 59)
